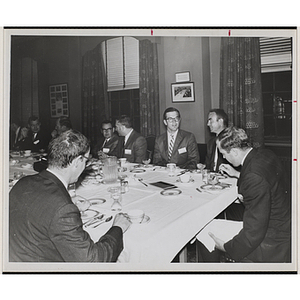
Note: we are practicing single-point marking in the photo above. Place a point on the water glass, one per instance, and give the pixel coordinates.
(115, 193)
(171, 168)
(205, 175)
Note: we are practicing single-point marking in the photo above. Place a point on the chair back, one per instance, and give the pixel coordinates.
(150, 146)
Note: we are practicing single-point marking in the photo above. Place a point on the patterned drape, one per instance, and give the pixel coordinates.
(95, 107)
(240, 85)
(149, 89)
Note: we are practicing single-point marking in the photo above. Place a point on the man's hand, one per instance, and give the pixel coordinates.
(219, 243)
(123, 221)
(229, 170)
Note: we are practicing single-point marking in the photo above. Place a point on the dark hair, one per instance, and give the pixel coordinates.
(32, 119)
(233, 137)
(221, 114)
(66, 147)
(65, 121)
(106, 122)
(170, 109)
(124, 120)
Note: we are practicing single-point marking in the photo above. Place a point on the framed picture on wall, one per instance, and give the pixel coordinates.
(183, 92)
(59, 100)
(182, 76)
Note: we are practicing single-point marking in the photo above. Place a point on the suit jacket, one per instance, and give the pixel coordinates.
(185, 151)
(135, 149)
(266, 232)
(41, 141)
(210, 156)
(110, 148)
(45, 225)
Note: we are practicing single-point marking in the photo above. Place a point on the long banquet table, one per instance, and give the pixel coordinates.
(174, 220)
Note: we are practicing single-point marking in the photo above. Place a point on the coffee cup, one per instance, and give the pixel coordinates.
(27, 152)
(136, 215)
(185, 178)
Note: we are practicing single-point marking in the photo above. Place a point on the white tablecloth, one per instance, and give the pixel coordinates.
(174, 220)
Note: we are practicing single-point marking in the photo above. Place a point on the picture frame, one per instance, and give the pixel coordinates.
(183, 92)
(59, 100)
(182, 77)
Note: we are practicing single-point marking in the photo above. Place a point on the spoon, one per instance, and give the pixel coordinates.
(106, 220)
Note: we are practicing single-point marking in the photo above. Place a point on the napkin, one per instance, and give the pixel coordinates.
(223, 229)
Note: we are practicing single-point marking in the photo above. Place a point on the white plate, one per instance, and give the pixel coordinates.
(171, 192)
(89, 213)
(211, 187)
(138, 171)
(26, 166)
(97, 201)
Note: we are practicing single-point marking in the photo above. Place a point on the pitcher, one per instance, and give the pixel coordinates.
(110, 169)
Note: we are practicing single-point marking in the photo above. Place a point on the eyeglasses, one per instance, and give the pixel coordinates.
(170, 120)
(106, 129)
(87, 158)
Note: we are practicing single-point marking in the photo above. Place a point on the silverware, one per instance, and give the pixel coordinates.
(93, 220)
(141, 181)
(106, 220)
(198, 190)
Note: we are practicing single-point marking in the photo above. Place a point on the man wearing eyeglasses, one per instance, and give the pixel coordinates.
(175, 145)
(107, 145)
(45, 225)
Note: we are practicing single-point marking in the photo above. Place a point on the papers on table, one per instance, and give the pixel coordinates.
(222, 229)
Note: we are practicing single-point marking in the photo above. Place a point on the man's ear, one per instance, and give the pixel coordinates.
(234, 151)
(76, 161)
(165, 122)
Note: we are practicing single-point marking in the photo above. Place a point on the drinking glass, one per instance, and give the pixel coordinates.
(205, 175)
(110, 169)
(115, 193)
(171, 167)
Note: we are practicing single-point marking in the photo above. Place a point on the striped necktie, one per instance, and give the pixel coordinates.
(171, 144)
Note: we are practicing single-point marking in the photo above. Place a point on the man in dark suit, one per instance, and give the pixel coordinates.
(217, 121)
(133, 145)
(62, 124)
(17, 136)
(45, 225)
(37, 140)
(175, 145)
(266, 231)
(108, 143)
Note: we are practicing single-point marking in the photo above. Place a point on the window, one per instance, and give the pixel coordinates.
(121, 61)
(276, 68)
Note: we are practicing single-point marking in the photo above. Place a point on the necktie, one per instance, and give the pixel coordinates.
(171, 144)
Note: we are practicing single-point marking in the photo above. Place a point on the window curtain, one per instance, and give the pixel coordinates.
(240, 86)
(149, 88)
(95, 107)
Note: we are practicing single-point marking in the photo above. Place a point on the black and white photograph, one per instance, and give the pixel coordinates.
(109, 170)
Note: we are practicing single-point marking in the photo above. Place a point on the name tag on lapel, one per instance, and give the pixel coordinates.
(128, 151)
(182, 150)
(105, 150)
(36, 142)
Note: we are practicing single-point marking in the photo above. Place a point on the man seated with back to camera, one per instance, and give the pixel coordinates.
(266, 227)
(175, 145)
(45, 225)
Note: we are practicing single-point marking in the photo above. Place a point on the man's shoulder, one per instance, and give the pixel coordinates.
(185, 133)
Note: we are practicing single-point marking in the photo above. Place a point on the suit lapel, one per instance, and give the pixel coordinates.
(177, 141)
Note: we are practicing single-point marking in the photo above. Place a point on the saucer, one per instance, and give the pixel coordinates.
(97, 201)
(171, 192)
(138, 171)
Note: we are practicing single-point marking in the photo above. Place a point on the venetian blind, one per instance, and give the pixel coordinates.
(121, 60)
(276, 54)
